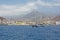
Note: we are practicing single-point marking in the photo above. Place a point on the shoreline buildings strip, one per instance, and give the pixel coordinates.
(4, 21)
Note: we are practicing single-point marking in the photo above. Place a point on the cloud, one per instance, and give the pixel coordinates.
(15, 9)
(48, 4)
(19, 10)
(57, 1)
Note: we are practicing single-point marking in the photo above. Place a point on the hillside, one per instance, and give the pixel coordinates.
(56, 18)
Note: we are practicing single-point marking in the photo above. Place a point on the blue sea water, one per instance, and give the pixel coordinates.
(29, 33)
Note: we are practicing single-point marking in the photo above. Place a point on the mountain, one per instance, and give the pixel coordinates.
(34, 15)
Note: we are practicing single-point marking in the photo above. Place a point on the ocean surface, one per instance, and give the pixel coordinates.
(29, 33)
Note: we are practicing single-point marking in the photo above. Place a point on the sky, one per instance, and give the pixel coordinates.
(21, 7)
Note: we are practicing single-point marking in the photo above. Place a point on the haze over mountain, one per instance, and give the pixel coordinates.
(34, 14)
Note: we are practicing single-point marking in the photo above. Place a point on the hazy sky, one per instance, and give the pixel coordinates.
(18, 7)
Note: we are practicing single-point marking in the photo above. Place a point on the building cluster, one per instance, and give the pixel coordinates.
(12, 22)
(20, 23)
(4, 21)
(51, 22)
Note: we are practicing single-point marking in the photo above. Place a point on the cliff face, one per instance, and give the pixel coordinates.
(2, 18)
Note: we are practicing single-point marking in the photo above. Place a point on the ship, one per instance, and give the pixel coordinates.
(38, 25)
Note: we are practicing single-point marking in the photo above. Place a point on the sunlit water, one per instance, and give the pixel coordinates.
(29, 33)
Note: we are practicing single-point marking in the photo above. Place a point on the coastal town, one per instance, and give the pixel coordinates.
(54, 21)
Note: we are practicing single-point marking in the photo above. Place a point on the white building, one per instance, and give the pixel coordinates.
(58, 23)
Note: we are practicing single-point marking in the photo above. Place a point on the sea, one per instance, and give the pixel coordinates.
(29, 33)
